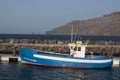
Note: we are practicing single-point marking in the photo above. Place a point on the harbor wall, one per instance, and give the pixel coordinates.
(12, 46)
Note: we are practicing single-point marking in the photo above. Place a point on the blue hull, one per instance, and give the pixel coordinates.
(34, 57)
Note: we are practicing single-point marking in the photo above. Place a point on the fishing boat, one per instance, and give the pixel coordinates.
(76, 59)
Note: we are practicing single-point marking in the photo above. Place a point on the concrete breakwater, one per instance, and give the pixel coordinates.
(11, 46)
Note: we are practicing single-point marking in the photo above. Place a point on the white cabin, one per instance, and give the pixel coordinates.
(77, 49)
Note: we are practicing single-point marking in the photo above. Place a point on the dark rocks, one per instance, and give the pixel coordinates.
(10, 46)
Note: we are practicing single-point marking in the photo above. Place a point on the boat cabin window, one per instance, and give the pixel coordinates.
(72, 47)
(79, 48)
(75, 48)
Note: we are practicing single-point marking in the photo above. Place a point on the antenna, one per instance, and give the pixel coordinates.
(77, 32)
(72, 34)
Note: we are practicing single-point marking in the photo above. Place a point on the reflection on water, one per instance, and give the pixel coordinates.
(17, 71)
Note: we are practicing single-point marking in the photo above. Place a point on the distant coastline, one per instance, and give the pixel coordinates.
(59, 37)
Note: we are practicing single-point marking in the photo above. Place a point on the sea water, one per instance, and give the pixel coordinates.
(17, 71)
(58, 37)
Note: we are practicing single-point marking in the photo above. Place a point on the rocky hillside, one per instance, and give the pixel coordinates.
(108, 25)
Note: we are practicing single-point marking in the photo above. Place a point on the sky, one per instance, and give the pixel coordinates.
(40, 16)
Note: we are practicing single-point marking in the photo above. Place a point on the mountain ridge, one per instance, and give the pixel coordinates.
(107, 25)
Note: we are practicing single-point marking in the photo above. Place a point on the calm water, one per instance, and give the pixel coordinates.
(17, 71)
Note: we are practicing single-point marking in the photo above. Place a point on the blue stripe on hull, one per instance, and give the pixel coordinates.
(63, 63)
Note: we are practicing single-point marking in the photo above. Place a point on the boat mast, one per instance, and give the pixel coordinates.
(72, 34)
